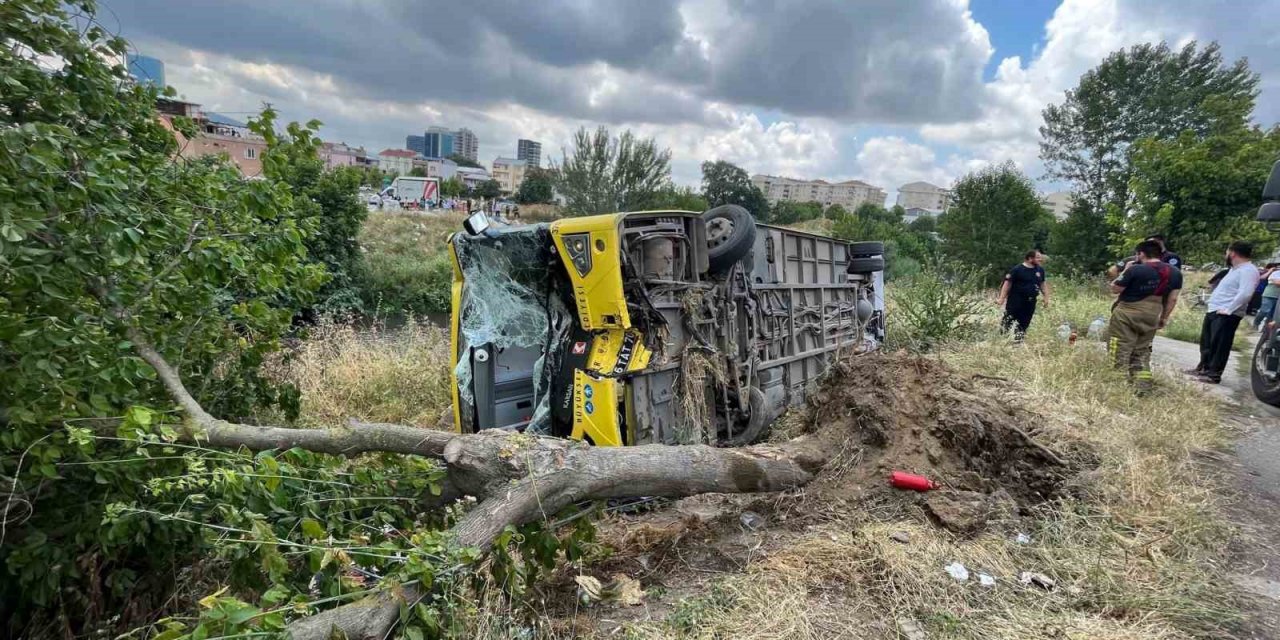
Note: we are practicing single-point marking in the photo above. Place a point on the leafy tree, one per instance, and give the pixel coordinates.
(924, 225)
(105, 237)
(538, 187)
(905, 251)
(1146, 91)
(453, 187)
(371, 177)
(489, 189)
(873, 211)
(679, 198)
(835, 212)
(603, 174)
(1201, 193)
(1081, 243)
(726, 183)
(418, 172)
(786, 212)
(995, 217)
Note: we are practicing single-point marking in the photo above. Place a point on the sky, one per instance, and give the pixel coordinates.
(885, 91)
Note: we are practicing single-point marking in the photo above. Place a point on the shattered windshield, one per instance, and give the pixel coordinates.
(509, 305)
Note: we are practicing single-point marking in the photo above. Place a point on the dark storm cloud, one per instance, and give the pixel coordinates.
(611, 61)
(484, 54)
(885, 61)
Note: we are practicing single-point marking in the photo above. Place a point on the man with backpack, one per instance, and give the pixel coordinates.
(1147, 293)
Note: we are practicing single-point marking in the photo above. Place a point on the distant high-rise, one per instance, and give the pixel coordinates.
(439, 142)
(416, 144)
(466, 144)
(146, 70)
(530, 152)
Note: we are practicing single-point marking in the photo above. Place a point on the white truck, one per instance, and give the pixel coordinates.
(414, 192)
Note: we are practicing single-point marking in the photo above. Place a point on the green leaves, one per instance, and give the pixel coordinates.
(995, 218)
(96, 217)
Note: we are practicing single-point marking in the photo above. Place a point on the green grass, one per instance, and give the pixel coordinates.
(407, 263)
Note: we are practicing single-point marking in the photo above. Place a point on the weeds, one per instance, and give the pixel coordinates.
(377, 374)
(937, 307)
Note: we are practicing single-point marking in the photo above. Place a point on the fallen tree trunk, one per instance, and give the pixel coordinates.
(517, 478)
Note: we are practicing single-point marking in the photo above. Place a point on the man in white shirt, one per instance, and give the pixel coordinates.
(1226, 308)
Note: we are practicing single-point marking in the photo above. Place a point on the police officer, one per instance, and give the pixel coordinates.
(1023, 284)
(1147, 293)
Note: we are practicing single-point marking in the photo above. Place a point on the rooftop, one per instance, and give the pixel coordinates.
(920, 185)
(398, 153)
(844, 183)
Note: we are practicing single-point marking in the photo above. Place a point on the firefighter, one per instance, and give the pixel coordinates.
(1146, 293)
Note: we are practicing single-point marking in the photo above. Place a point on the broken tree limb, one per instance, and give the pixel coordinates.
(518, 478)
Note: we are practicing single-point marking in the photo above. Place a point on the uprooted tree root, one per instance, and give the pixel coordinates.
(995, 459)
(973, 436)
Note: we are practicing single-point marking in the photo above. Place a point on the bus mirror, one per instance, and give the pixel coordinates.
(476, 224)
(1269, 212)
(1271, 191)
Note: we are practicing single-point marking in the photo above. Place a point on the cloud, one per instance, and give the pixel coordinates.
(892, 161)
(1078, 36)
(867, 61)
(887, 91)
(887, 61)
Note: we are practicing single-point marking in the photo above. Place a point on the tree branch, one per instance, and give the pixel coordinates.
(519, 478)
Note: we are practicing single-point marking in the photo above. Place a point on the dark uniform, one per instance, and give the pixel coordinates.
(1135, 318)
(1024, 288)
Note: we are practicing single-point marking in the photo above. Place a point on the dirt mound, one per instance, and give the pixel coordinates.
(970, 434)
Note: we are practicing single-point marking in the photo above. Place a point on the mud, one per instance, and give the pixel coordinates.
(993, 457)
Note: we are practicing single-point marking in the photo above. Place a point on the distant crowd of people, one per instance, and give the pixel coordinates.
(1147, 286)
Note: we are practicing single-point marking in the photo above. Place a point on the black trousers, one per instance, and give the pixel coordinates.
(1018, 309)
(1217, 334)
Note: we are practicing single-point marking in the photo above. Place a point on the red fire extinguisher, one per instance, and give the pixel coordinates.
(911, 481)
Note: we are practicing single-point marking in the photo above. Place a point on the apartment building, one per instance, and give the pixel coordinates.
(509, 172)
(216, 135)
(529, 151)
(466, 144)
(849, 194)
(340, 154)
(396, 161)
(922, 195)
(1058, 203)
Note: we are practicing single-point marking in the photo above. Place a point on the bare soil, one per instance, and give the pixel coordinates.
(994, 459)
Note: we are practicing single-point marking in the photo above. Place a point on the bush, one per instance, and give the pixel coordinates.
(940, 305)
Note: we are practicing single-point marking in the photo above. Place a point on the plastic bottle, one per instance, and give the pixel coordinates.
(1096, 327)
(1064, 331)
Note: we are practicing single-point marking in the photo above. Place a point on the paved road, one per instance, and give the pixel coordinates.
(1255, 468)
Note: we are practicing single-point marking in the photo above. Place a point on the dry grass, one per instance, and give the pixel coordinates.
(1137, 553)
(398, 375)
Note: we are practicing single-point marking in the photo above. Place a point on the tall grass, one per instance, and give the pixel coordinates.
(376, 374)
(407, 262)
